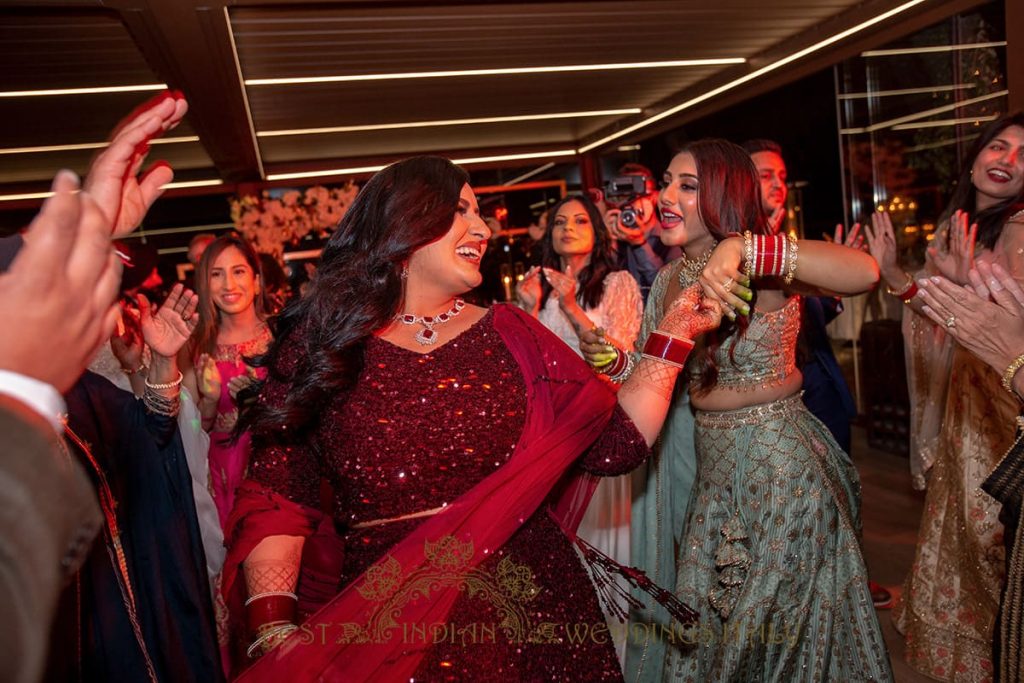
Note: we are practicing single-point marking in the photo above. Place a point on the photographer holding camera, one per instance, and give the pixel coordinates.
(631, 218)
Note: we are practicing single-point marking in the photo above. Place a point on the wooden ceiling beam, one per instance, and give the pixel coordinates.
(188, 44)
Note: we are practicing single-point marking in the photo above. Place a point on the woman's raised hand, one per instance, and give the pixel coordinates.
(166, 330)
(127, 344)
(722, 280)
(209, 378)
(691, 314)
(113, 181)
(882, 246)
(528, 290)
(956, 261)
(240, 382)
(854, 237)
(564, 284)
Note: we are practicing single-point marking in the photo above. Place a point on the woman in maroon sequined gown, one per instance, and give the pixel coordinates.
(459, 447)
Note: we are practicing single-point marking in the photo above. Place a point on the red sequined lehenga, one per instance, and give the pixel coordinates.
(418, 432)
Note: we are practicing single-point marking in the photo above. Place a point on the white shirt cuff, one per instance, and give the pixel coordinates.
(39, 396)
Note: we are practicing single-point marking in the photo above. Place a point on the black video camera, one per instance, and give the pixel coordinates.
(622, 193)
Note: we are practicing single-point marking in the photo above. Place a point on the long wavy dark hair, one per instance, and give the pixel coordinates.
(991, 220)
(319, 340)
(204, 339)
(602, 262)
(729, 201)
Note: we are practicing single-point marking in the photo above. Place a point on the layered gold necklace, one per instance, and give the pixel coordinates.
(690, 271)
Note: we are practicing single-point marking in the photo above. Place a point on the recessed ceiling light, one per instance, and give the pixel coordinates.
(799, 54)
(448, 122)
(497, 72)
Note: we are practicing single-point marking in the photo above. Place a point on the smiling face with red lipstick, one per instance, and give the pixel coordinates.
(681, 222)
(452, 263)
(998, 171)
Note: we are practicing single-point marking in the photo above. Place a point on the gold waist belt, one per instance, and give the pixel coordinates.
(401, 518)
(750, 415)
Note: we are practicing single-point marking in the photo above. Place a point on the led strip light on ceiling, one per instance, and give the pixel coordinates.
(530, 174)
(615, 66)
(714, 92)
(448, 122)
(83, 91)
(931, 49)
(168, 186)
(374, 169)
(906, 91)
(945, 122)
(90, 145)
(921, 114)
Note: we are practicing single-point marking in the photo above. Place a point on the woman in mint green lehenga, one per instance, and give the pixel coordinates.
(768, 553)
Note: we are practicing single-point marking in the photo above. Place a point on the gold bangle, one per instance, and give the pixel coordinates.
(1011, 372)
(898, 293)
(748, 250)
(791, 270)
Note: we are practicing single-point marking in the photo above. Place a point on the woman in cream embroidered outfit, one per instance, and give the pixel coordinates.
(961, 421)
(578, 287)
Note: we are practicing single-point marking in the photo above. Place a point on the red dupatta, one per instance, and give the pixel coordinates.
(567, 409)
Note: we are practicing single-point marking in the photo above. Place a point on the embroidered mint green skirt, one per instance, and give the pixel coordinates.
(771, 558)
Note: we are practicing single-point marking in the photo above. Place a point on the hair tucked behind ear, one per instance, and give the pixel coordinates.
(729, 200)
(319, 340)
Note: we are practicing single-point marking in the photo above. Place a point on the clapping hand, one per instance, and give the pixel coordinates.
(954, 262)
(166, 330)
(563, 284)
(209, 378)
(987, 318)
(690, 315)
(127, 344)
(528, 290)
(241, 382)
(854, 238)
(882, 246)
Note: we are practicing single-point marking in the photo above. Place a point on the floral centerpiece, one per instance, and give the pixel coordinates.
(270, 223)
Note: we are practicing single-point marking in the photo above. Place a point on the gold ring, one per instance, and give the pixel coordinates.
(951, 321)
(186, 316)
(727, 285)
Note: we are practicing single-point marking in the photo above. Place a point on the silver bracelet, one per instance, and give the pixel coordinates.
(267, 594)
(159, 404)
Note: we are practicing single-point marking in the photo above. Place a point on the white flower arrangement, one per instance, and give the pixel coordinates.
(272, 223)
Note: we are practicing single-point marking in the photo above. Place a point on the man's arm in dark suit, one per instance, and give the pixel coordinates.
(48, 519)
